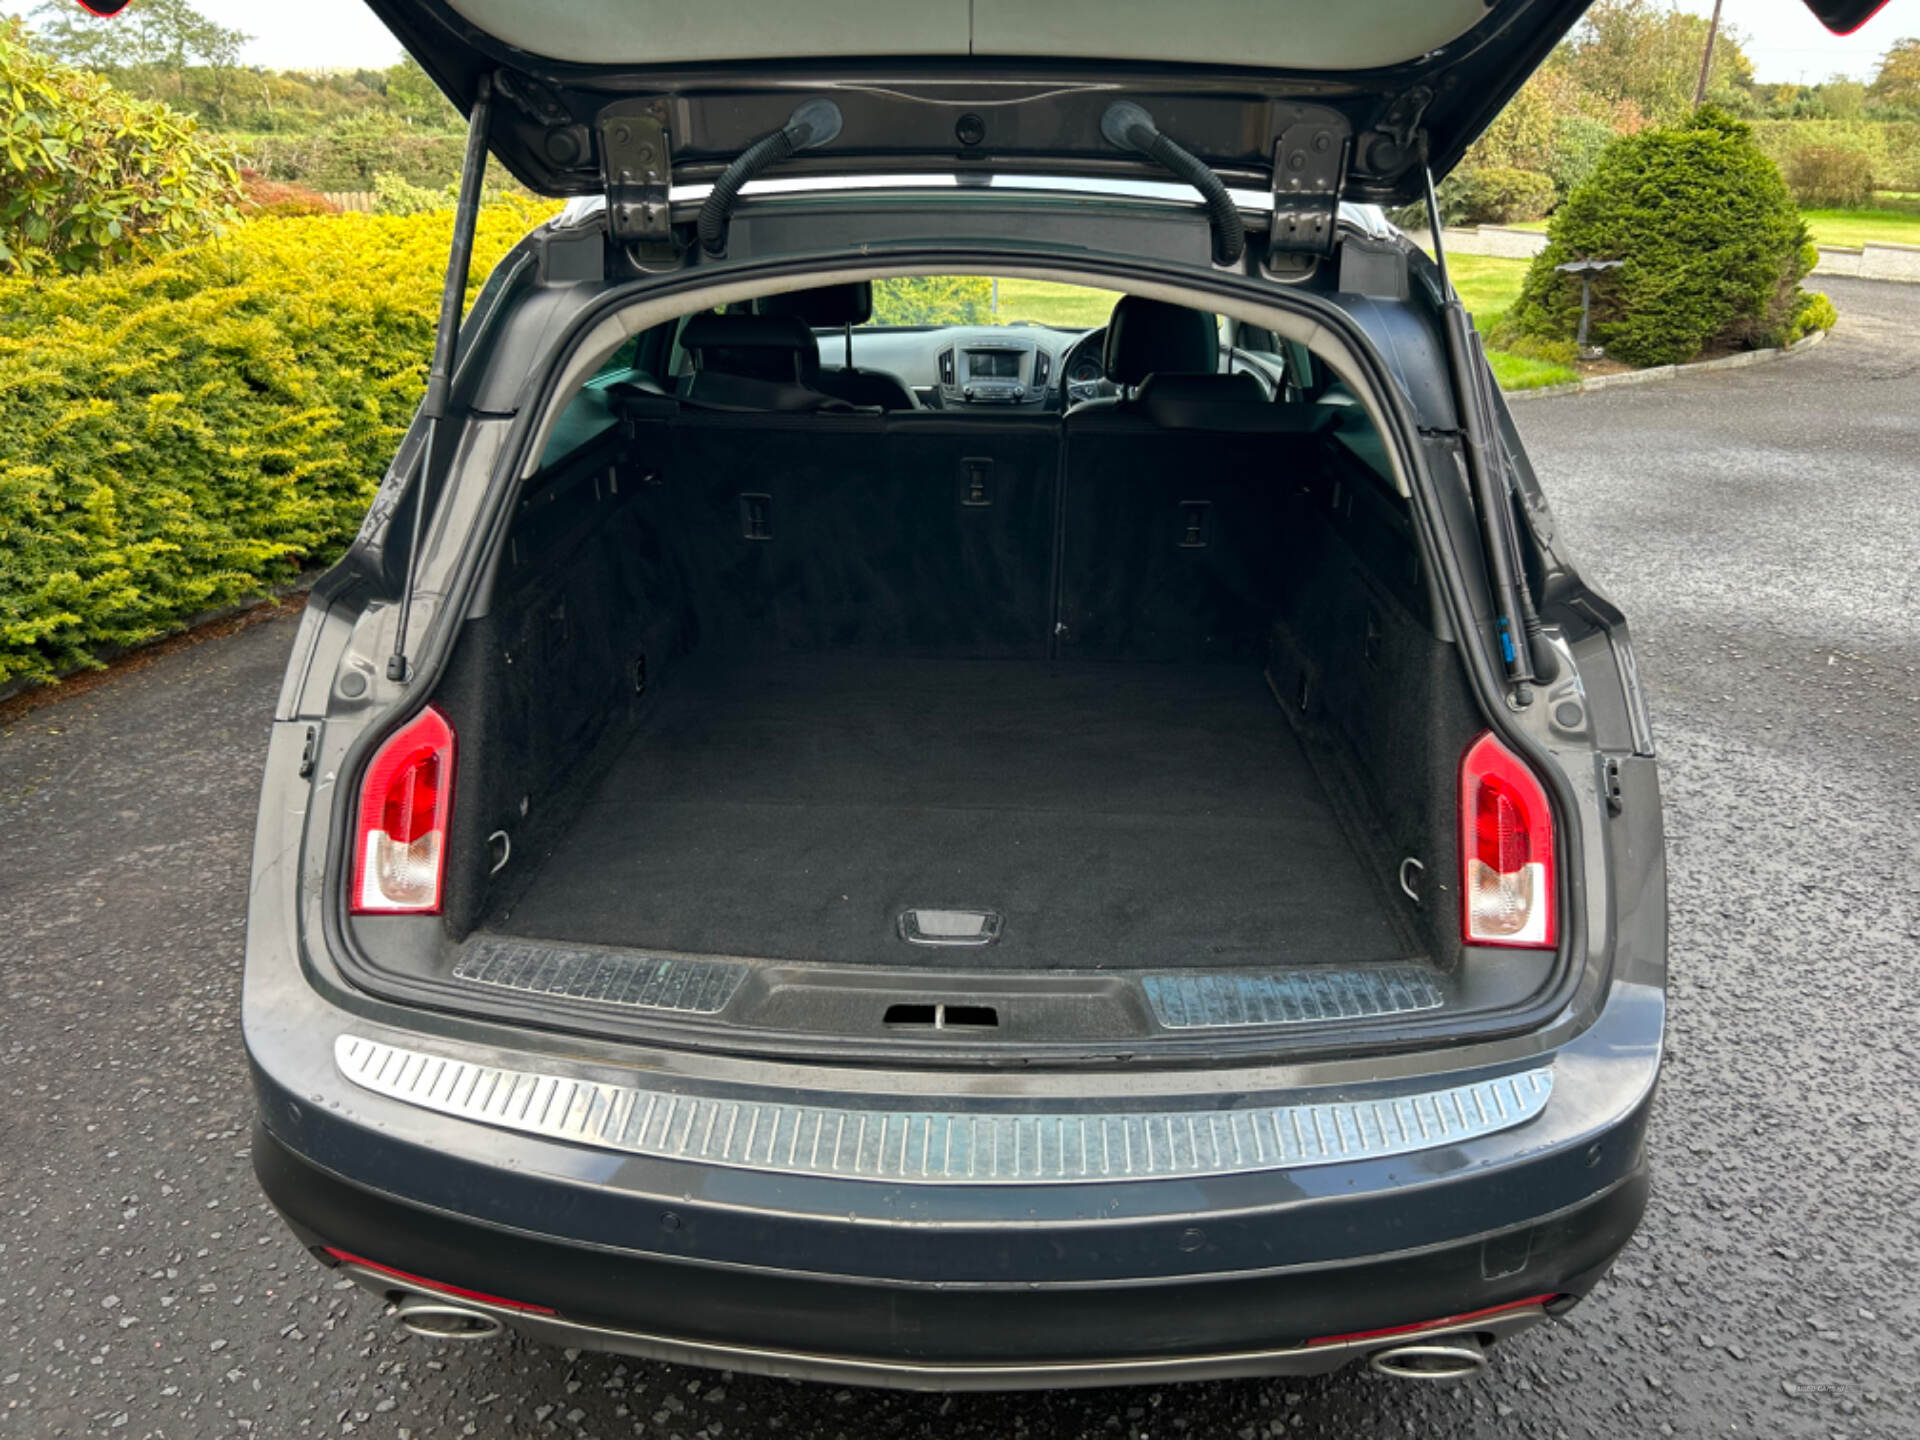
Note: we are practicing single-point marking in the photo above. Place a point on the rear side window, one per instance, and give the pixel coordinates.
(588, 416)
(620, 364)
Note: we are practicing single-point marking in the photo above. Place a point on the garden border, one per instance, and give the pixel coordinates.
(1670, 372)
(190, 632)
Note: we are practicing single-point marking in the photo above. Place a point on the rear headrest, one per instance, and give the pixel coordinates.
(826, 307)
(1236, 403)
(765, 347)
(1150, 337)
(710, 330)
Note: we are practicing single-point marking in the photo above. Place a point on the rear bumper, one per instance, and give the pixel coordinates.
(1300, 1319)
(994, 1285)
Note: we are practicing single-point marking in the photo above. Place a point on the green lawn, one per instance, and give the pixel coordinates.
(1045, 303)
(1894, 223)
(1518, 372)
(1487, 285)
(1856, 227)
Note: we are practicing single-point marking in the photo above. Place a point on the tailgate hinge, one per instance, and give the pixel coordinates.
(636, 161)
(1309, 169)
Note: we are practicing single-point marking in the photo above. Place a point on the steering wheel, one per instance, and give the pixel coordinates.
(1082, 372)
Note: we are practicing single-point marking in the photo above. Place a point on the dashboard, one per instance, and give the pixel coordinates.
(981, 367)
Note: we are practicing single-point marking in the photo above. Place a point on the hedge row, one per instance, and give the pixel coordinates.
(1891, 148)
(182, 434)
(348, 156)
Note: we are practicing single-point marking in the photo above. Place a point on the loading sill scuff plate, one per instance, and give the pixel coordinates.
(955, 1147)
(1289, 997)
(606, 977)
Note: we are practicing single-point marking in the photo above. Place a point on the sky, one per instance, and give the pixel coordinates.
(1785, 42)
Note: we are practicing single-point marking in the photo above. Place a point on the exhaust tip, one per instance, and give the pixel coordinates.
(1456, 1357)
(443, 1320)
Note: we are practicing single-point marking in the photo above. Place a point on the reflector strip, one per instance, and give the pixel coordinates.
(1289, 997)
(438, 1286)
(1445, 1320)
(958, 1147)
(607, 977)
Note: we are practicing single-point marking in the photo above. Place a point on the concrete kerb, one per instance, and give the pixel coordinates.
(1670, 372)
(1875, 260)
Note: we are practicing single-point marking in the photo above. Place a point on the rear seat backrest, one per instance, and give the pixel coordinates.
(907, 533)
(1153, 531)
(1172, 538)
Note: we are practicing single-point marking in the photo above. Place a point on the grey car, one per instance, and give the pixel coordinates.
(815, 833)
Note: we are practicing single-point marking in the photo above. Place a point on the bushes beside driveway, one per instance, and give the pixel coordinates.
(183, 434)
(1712, 250)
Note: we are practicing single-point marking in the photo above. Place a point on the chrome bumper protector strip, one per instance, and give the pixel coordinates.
(958, 1147)
(1289, 997)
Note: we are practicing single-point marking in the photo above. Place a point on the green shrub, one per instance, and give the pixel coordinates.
(181, 434)
(279, 198)
(349, 153)
(1830, 177)
(1892, 147)
(1578, 143)
(1550, 352)
(393, 195)
(1712, 248)
(90, 176)
(1814, 311)
(934, 300)
(1496, 195)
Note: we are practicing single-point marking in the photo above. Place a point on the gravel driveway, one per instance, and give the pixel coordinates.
(1762, 528)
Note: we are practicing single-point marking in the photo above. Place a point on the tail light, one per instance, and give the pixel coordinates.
(1506, 849)
(400, 837)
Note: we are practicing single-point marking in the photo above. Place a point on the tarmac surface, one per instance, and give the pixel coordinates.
(1761, 527)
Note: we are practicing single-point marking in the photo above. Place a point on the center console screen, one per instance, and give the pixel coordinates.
(993, 364)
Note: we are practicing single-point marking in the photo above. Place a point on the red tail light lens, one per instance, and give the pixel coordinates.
(400, 839)
(1506, 850)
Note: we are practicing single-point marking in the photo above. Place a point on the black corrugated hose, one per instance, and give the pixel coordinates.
(814, 123)
(1130, 127)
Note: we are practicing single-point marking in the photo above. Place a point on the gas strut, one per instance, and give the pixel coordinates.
(813, 123)
(453, 296)
(1466, 360)
(1128, 126)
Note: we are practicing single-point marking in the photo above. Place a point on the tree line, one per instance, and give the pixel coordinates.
(1639, 52)
(167, 50)
(1628, 65)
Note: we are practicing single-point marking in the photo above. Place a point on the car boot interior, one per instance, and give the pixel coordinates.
(1157, 684)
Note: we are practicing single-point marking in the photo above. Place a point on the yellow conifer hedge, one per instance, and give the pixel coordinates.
(182, 434)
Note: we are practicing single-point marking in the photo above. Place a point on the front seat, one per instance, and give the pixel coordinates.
(753, 362)
(841, 307)
(1151, 344)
